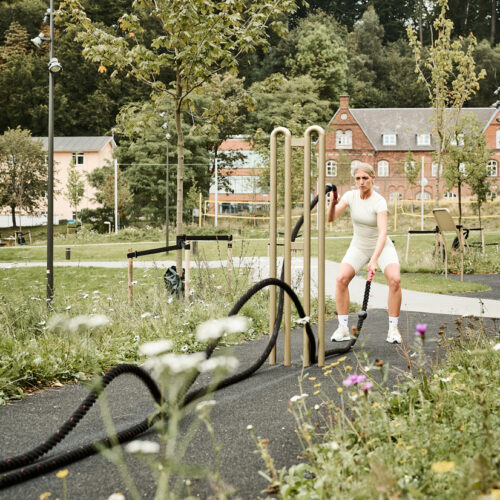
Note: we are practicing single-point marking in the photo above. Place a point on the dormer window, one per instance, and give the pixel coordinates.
(343, 139)
(389, 139)
(423, 139)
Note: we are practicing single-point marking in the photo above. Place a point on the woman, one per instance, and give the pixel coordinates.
(370, 245)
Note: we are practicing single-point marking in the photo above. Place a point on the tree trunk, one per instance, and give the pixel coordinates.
(459, 203)
(13, 212)
(493, 22)
(180, 169)
(420, 21)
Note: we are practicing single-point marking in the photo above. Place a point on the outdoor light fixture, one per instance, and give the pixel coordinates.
(38, 40)
(55, 65)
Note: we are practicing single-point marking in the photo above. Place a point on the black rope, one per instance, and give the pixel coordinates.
(24, 463)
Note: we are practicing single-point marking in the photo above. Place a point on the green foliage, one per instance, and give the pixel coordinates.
(434, 435)
(320, 52)
(447, 69)
(23, 172)
(411, 169)
(75, 187)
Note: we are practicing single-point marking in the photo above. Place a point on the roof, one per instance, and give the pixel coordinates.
(76, 144)
(406, 123)
(238, 143)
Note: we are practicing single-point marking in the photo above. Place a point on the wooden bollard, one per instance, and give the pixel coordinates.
(130, 279)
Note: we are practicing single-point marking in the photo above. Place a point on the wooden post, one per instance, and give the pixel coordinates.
(130, 279)
(188, 272)
(229, 261)
(199, 213)
(407, 246)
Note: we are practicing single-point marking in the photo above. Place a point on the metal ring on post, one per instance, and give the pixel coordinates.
(273, 236)
(321, 155)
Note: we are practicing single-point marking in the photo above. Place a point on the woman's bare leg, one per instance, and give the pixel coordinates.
(393, 276)
(344, 277)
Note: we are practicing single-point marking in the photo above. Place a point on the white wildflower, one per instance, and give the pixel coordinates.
(229, 363)
(496, 347)
(85, 296)
(155, 347)
(298, 397)
(184, 348)
(215, 328)
(109, 298)
(316, 407)
(116, 496)
(447, 379)
(303, 321)
(68, 308)
(205, 405)
(145, 315)
(249, 427)
(145, 447)
(169, 300)
(41, 323)
(333, 445)
(179, 363)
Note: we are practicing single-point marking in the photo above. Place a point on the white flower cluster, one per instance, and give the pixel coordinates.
(216, 328)
(303, 321)
(298, 397)
(81, 322)
(143, 447)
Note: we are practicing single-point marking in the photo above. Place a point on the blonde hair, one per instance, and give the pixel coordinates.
(364, 167)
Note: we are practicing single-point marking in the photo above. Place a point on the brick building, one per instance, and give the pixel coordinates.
(240, 193)
(382, 137)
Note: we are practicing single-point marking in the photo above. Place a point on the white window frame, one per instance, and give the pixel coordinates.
(427, 195)
(393, 194)
(453, 142)
(434, 169)
(424, 139)
(343, 139)
(412, 163)
(492, 168)
(383, 168)
(450, 195)
(389, 139)
(79, 159)
(331, 168)
(462, 168)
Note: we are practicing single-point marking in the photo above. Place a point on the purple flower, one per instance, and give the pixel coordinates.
(367, 386)
(354, 379)
(351, 380)
(421, 329)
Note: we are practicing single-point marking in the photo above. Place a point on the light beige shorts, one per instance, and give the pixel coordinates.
(358, 258)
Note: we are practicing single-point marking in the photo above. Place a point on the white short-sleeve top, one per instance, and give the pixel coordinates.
(364, 217)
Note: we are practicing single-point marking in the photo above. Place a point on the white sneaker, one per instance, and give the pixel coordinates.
(341, 334)
(393, 335)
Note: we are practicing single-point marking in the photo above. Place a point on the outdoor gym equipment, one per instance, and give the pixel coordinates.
(183, 242)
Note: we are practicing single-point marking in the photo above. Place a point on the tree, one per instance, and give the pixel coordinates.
(194, 39)
(411, 169)
(292, 103)
(447, 69)
(23, 172)
(320, 52)
(75, 187)
(467, 160)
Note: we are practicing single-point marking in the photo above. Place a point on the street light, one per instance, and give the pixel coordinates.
(54, 67)
(167, 137)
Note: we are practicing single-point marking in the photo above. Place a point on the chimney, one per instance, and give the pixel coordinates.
(344, 101)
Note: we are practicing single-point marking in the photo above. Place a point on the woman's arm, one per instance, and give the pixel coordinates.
(335, 210)
(382, 237)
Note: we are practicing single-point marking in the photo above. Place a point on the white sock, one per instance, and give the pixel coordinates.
(344, 320)
(393, 320)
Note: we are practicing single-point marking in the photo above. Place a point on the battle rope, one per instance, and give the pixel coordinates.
(28, 469)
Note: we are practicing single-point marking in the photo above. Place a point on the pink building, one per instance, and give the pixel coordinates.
(89, 153)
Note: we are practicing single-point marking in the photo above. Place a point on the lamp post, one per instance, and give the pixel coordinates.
(167, 137)
(54, 67)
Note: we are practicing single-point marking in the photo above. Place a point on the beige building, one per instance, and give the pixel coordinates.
(89, 153)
